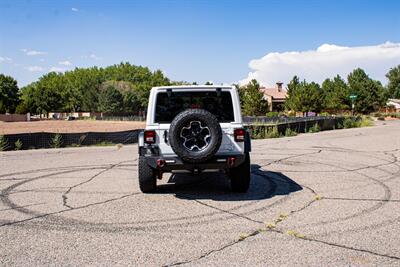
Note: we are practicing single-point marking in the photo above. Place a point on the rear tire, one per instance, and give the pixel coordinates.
(147, 176)
(240, 176)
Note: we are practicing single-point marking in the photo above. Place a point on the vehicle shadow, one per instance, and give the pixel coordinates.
(216, 186)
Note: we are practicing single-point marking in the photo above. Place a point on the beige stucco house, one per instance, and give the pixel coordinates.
(275, 97)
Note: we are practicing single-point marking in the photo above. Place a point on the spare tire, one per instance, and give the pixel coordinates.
(195, 135)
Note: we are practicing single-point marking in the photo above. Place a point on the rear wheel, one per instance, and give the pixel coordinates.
(147, 176)
(240, 176)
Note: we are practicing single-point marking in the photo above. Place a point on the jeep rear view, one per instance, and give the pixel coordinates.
(194, 129)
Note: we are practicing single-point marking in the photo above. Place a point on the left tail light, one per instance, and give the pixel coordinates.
(239, 135)
(149, 137)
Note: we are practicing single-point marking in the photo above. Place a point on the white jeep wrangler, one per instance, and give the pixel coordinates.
(194, 129)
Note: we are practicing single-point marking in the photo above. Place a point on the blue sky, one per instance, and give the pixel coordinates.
(204, 40)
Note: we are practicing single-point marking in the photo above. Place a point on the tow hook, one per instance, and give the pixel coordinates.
(231, 161)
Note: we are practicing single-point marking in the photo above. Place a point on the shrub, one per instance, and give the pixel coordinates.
(366, 122)
(272, 114)
(272, 132)
(349, 123)
(290, 132)
(3, 143)
(325, 114)
(314, 129)
(56, 141)
(18, 145)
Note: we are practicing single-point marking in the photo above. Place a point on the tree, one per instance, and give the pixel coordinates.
(394, 82)
(47, 93)
(336, 94)
(370, 93)
(253, 99)
(79, 89)
(9, 94)
(304, 96)
(110, 100)
(292, 100)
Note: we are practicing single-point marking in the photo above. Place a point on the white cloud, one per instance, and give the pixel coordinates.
(35, 68)
(57, 69)
(65, 63)
(5, 59)
(29, 52)
(324, 62)
(74, 9)
(93, 56)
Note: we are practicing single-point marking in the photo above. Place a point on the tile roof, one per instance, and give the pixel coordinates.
(275, 93)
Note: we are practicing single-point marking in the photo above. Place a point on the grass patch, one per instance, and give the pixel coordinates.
(3, 143)
(56, 141)
(295, 234)
(314, 129)
(104, 143)
(289, 132)
(18, 145)
(356, 122)
(272, 132)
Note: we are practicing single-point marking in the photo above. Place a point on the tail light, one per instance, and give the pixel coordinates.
(149, 137)
(239, 135)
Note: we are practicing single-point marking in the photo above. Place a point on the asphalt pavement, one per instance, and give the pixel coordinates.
(323, 199)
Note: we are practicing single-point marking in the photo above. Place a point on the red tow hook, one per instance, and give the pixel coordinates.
(160, 163)
(231, 161)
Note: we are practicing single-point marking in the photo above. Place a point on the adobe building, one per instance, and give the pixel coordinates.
(275, 97)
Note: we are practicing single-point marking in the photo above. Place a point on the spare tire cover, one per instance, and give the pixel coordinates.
(195, 135)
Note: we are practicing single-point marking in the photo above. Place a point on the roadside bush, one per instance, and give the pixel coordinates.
(272, 132)
(349, 123)
(366, 122)
(314, 129)
(3, 143)
(290, 132)
(56, 141)
(18, 145)
(272, 114)
(325, 114)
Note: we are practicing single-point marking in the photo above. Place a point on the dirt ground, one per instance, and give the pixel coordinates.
(68, 126)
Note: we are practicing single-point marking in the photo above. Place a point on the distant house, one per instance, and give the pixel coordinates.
(394, 104)
(275, 97)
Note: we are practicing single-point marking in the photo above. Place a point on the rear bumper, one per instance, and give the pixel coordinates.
(175, 163)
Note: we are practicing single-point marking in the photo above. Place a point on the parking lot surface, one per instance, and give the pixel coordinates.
(330, 198)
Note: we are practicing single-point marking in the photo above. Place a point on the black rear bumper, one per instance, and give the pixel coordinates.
(175, 163)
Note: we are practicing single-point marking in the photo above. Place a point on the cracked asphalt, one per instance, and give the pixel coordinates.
(331, 198)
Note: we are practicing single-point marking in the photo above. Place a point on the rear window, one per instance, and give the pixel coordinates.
(167, 107)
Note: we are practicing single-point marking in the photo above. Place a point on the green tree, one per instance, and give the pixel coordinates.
(110, 100)
(131, 102)
(253, 99)
(394, 82)
(370, 93)
(47, 93)
(304, 96)
(336, 94)
(292, 101)
(80, 89)
(9, 94)
(28, 102)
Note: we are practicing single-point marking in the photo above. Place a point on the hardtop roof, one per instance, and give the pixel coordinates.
(192, 87)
